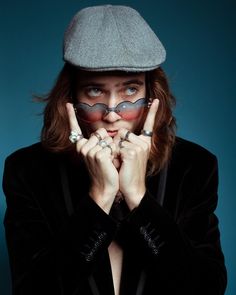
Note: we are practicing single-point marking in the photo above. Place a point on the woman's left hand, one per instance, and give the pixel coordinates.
(134, 155)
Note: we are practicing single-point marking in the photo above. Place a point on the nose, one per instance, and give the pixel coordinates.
(111, 117)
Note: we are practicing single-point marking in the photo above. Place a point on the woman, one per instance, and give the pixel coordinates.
(110, 201)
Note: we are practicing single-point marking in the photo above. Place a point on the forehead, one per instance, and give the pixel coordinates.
(109, 78)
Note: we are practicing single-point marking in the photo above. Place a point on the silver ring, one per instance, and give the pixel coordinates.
(97, 135)
(147, 133)
(110, 148)
(75, 136)
(127, 135)
(120, 143)
(103, 143)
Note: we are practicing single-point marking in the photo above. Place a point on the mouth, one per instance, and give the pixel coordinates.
(112, 133)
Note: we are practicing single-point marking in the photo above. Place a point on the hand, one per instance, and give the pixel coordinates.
(104, 175)
(134, 155)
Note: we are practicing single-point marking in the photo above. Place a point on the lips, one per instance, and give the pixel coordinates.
(112, 133)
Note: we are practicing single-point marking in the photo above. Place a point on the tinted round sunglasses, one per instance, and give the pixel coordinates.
(127, 110)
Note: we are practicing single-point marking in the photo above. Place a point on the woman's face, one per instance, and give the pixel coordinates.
(111, 88)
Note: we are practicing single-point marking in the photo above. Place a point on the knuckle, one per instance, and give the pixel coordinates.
(113, 145)
(102, 131)
(108, 139)
(78, 147)
(132, 153)
(78, 150)
(139, 149)
(146, 147)
(90, 154)
(123, 130)
(99, 156)
(83, 151)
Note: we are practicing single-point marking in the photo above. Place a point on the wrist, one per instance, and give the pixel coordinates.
(103, 199)
(134, 198)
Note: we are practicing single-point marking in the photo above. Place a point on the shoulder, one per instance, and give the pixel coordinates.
(25, 154)
(32, 167)
(191, 150)
(188, 154)
(26, 151)
(30, 158)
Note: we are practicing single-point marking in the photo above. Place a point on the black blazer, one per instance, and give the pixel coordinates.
(57, 236)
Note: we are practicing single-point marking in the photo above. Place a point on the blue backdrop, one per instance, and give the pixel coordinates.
(200, 40)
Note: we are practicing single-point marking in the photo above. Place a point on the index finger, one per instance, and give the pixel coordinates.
(150, 119)
(74, 125)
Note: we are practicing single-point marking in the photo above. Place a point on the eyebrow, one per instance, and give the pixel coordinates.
(134, 81)
(95, 84)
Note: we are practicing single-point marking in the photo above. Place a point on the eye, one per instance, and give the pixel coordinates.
(94, 92)
(130, 90)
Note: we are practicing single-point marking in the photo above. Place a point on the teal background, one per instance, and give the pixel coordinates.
(200, 40)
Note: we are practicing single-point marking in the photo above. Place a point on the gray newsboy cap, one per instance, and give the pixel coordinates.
(112, 37)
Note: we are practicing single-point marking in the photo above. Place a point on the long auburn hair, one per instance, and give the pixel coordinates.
(56, 129)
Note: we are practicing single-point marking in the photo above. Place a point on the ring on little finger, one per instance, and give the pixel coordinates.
(75, 136)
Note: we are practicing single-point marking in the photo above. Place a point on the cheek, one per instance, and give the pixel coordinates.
(137, 125)
(134, 126)
(88, 128)
(91, 127)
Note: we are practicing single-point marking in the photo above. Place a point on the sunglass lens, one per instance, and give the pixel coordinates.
(132, 114)
(91, 116)
(131, 111)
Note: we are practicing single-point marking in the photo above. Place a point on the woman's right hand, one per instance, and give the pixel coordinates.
(99, 162)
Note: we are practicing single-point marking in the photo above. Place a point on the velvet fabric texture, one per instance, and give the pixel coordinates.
(57, 236)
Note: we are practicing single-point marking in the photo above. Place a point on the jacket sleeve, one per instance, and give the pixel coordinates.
(186, 247)
(41, 257)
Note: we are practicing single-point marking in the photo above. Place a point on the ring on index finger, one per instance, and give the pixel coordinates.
(147, 133)
(75, 136)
